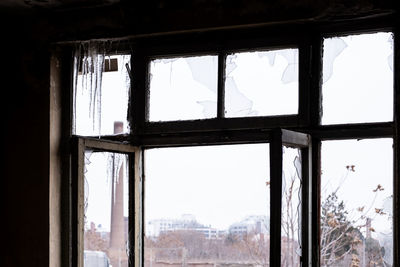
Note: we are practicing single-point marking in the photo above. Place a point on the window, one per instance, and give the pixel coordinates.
(256, 80)
(183, 88)
(357, 225)
(106, 193)
(358, 76)
(186, 198)
(101, 93)
(103, 189)
(273, 151)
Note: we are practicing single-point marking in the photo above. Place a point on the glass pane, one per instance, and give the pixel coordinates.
(356, 203)
(101, 95)
(262, 83)
(106, 209)
(183, 88)
(291, 207)
(358, 79)
(207, 206)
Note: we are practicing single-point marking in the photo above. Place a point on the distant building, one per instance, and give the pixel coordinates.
(104, 233)
(251, 224)
(187, 222)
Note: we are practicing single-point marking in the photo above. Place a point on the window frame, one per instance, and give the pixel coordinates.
(220, 123)
(308, 39)
(80, 146)
(285, 138)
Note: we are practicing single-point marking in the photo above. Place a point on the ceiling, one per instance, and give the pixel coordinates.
(53, 4)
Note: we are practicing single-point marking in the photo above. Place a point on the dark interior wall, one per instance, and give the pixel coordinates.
(25, 145)
(26, 89)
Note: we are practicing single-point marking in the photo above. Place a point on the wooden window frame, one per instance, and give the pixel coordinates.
(80, 146)
(308, 39)
(301, 141)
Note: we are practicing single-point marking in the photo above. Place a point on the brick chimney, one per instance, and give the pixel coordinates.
(117, 250)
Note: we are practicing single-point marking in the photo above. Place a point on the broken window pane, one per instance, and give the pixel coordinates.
(291, 207)
(183, 88)
(106, 209)
(101, 93)
(358, 79)
(356, 203)
(263, 83)
(207, 206)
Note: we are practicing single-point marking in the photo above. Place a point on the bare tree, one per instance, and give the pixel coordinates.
(342, 241)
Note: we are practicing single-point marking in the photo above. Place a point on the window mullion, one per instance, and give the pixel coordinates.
(139, 91)
(316, 79)
(315, 99)
(77, 201)
(315, 200)
(306, 213)
(136, 214)
(276, 197)
(396, 158)
(305, 54)
(221, 85)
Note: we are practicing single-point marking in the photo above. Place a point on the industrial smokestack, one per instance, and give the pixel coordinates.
(117, 252)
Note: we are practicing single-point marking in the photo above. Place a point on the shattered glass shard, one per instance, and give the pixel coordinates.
(198, 66)
(291, 72)
(291, 207)
(261, 83)
(238, 104)
(333, 47)
(183, 88)
(358, 78)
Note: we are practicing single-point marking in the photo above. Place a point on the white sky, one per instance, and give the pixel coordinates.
(220, 185)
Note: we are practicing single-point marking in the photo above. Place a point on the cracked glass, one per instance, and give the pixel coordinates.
(262, 83)
(106, 209)
(358, 79)
(291, 207)
(183, 88)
